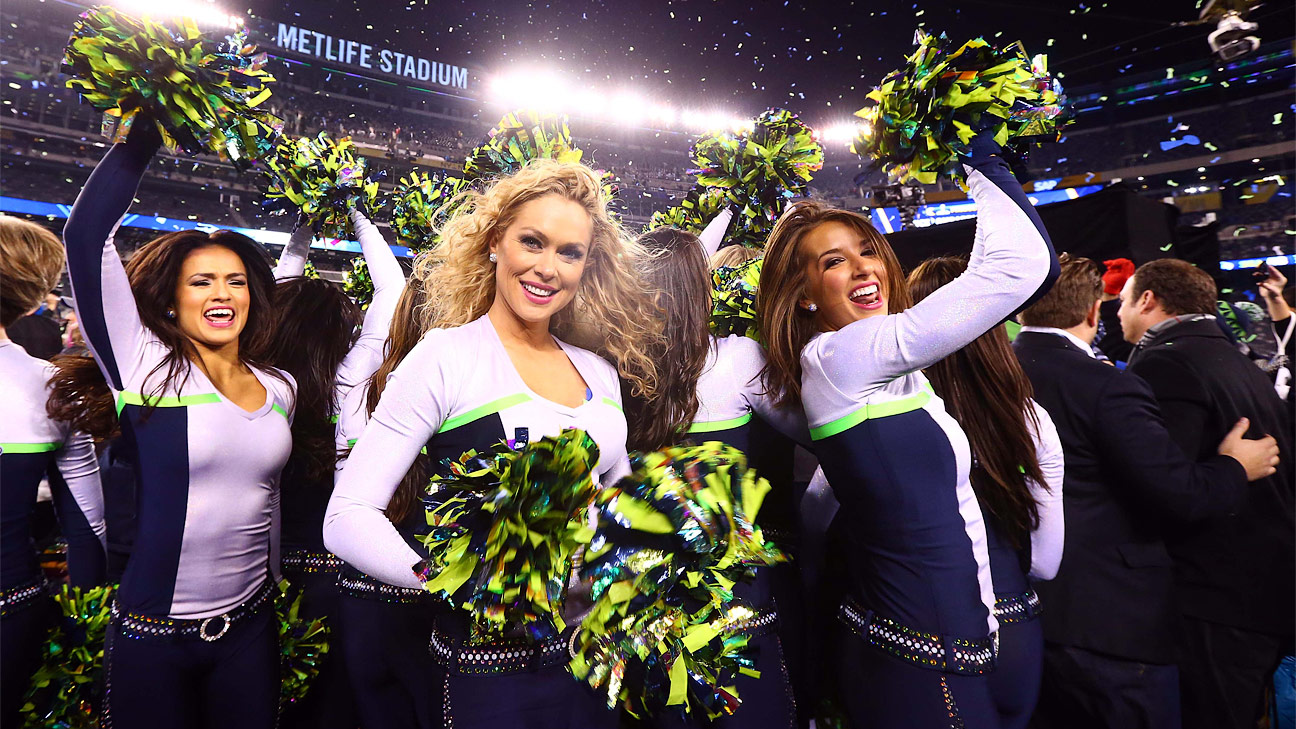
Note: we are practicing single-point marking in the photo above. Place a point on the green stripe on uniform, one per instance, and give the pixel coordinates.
(613, 403)
(489, 408)
(279, 409)
(28, 447)
(134, 398)
(714, 425)
(870, 412)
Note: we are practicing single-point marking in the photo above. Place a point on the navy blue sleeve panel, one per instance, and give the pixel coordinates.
(87, 558)
(1142, 456)
(986, 158)
(103, 201)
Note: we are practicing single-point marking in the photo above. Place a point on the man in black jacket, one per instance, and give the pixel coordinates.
(1236, 572)
(1109, 615)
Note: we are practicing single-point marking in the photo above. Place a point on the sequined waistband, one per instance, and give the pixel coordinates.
(762, 623)
(17, 598)
(968, 656)
(134, 625)
(1020, 608)
(500, 656)
(368, 588)
(306, 561)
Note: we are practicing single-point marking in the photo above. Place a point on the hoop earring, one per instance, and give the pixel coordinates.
(493, 258)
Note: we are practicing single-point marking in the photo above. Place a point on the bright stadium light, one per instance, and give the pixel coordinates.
(203, 12)
(540, 90)
(843, 133)
(628, 108)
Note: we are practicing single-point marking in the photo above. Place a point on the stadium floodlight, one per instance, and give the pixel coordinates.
(663, 114)
(843, 133)
(203, 12)
(628, 108)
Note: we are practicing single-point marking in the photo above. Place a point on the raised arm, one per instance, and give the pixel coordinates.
(292, 262)
(1012, 262)
(411, 410)
(79, 505)
(388, 282)
(712, 236)
(105, 306)
(1047, 538)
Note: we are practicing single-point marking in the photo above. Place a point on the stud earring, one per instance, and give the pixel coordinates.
(493, 258)
(170, 313)
(812, 307)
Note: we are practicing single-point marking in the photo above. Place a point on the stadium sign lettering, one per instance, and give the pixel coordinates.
(354, 53)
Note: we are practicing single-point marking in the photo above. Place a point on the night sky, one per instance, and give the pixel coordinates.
(818, 59)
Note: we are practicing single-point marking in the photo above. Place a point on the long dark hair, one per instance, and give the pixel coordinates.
(315, 327)
(676, 270)
(986, 391)
(785, 326)
(406, 331)
(79, 394)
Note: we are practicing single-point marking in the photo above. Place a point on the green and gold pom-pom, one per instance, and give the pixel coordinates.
(64, 691)
(202, 91)
(357, 283)
(733, 299)
(520, 137)
(303, 643)
(927, 113)
(322, 179)
(693, 213)
(762, 168)
(673, 538)
(421, 204)
(504, 527)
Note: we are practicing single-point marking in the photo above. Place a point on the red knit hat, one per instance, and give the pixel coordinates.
(1118, 272)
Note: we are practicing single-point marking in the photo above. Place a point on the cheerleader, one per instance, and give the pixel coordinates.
(842, 339)
(1017, 476)
(317, 343)
(515, 271)
(711, 388)
(34, 446)
(181, 336)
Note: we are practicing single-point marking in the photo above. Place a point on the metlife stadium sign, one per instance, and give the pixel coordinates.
(363, 55)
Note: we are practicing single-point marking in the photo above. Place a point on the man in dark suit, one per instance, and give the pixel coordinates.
(1109, 615)
(1235, 572)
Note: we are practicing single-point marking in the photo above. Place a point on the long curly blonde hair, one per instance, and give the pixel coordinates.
(614, 309)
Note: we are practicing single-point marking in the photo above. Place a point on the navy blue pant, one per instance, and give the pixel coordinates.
(545, 698)
(385, 649)
(329, 703)
(879, 691)
(22, 637)
(1088, 690)
(767, 702)
(1015, 682)
(189, 682)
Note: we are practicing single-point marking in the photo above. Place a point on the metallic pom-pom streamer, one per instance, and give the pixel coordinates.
(322, 179)
(693, 213)
(520, 137)
(421, 204)
(357, 283)
(64, 690)
(202, 91)
(672, 539)
(504, 527)
(733, 299)
(927, 113)
(303, 643)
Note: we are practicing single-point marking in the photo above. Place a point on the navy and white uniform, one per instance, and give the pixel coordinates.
(33, 447)
(1015, 682)
(306, 563)
(457, 390)
(920, 596)
(208, 497)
